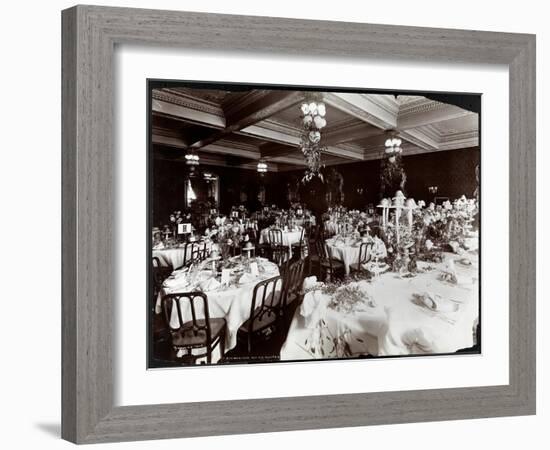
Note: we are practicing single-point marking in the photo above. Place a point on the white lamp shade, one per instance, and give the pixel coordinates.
(321, 109)
(318, 120)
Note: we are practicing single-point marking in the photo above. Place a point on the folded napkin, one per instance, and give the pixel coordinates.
(211, 284)
(309, 282)
(471, 243)
(448, 273)
(246, 278)
(455, 246)
(435, 302)
(159, 246)
(179, 272)
(418, 342)
(313, 308)
(178, 283)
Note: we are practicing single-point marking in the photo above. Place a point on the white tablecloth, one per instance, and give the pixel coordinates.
(289, 238)
(232, 303)
(347, 252)
(396, 325)
(300, 221)
(331, 227)
(174, 257)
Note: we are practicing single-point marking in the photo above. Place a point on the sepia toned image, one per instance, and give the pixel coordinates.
(291, 224)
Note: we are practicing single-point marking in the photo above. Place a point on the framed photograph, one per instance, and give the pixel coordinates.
(242, 206)
(318, 277)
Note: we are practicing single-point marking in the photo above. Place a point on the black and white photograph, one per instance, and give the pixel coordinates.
(293, 224)
(265, 225)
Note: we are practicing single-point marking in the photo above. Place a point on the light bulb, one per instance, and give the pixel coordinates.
(321, 109)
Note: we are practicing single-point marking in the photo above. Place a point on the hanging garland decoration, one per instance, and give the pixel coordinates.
(313, 120)
(392, 174)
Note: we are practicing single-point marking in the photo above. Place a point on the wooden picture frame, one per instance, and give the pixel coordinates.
(90, 34)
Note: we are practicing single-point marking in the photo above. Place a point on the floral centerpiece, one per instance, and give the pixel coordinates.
(401, 254)
(239, 212)
(229, 237)
(176, 218)
(450, 224)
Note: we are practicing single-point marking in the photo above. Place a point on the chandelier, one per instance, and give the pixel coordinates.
(192, 159)
(313, 120)
(262, 167)
(393, 148)
(208, 177)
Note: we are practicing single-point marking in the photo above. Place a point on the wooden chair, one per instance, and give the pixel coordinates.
(293, 280)
(275, 238)
(324, 233)
(202, 251)
(278, 252)
(266, 312)
(364, 257)
(159, 274)
(196, 333)
(192, 254)
(329, 267)
(302, 246)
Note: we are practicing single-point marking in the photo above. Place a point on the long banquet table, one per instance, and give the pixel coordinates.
(395, 325)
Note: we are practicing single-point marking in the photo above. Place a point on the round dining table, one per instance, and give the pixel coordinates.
(345, 250)
(290, 237)
(175, 257)
(231, 302)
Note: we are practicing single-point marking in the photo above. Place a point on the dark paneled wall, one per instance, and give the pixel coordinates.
(168, 183)
(452, 171)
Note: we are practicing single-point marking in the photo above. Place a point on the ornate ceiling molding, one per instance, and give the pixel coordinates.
(187, 101)
(252, 125)
(370, 110)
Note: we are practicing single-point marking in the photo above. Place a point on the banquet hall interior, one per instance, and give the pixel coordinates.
(290, 225)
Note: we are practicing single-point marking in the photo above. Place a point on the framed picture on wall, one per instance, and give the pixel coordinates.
(308, 170)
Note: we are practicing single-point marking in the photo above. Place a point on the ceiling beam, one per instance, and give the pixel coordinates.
(273, 132)
(170, 141)
(231, 150)
(349, 133)
(376, 109)
(273, 149)
(259, 108)
(420, 138)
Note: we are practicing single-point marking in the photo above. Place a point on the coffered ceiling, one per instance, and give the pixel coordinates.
(237, 128)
